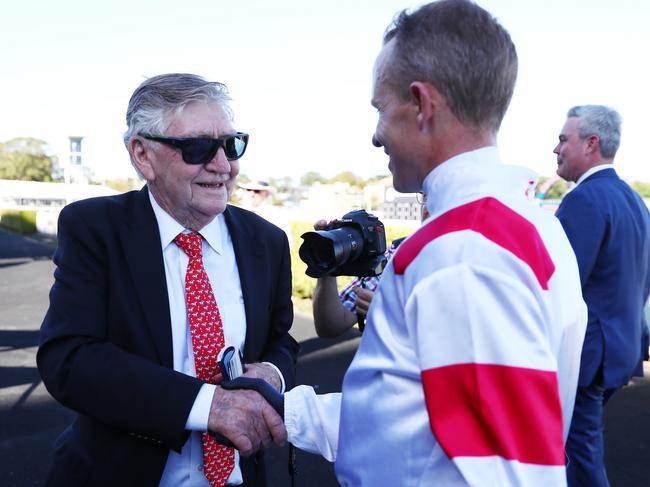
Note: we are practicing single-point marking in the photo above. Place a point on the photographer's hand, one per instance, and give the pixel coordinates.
(364, 298)
(323, 224)
(320, 225)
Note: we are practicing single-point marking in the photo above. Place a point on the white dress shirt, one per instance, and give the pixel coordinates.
(593, 170)
(186, 469)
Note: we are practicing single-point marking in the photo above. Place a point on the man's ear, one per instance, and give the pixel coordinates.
(141, 157)
(593, 144)
(427, 100)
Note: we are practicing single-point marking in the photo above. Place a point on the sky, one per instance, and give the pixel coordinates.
(300, 75)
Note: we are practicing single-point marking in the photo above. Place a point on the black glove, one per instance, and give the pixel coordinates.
(266, 390)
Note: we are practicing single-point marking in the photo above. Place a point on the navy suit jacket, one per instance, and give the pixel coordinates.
(608, 226)
(106, 343)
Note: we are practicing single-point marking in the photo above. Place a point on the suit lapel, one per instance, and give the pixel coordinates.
(141, 243)
(249, 254)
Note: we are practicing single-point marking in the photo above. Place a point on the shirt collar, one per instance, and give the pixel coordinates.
(169, 228)
(474, 174)
(594, 170)
(442, 183)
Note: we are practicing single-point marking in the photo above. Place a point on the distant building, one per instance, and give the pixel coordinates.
(329, 201)
(34, 195)
(402, 207)
(71, 166)
(46, 199)
(387, 203)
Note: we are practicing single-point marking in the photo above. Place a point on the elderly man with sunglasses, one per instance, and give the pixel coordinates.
(150, 287)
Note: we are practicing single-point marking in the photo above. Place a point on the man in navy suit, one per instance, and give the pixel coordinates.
(608, 226)
(117, 344)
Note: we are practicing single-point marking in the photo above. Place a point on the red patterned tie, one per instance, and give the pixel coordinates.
(207, 342)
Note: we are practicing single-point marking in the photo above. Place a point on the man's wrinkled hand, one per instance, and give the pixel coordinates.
(246, 419)
(265, 372)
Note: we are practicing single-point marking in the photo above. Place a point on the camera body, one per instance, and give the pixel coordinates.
(352, 246)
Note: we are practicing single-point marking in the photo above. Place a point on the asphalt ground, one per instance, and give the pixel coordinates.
(30, 420)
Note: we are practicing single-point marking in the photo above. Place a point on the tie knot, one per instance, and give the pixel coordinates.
(190, 243)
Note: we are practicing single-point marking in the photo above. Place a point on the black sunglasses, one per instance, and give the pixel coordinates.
(201, 150)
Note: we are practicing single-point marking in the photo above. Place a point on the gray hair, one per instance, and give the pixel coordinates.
(463, 52)
(168, 94)
(601, 121)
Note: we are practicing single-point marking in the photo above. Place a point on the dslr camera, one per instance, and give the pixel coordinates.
(351, 246)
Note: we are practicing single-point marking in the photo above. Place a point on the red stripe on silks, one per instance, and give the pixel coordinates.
(494, 221)
(479, 410)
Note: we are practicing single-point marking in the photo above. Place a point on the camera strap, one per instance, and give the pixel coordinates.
(361, 319)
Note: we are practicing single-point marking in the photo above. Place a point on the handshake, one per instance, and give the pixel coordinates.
(247, 411)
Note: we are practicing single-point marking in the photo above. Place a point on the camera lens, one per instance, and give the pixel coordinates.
(317, 252)
(325, 250)
(348, 244)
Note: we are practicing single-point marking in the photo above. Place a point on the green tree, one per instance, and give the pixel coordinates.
(123, 185)
(25, 159)
(28, 145)
(243, 178)
(350, 178)
(310, 178)
(376, 178)
(555, 191)
(283, 184)
(642, 188)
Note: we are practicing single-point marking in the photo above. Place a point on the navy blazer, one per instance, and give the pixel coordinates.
(106, 342)
(608, 226)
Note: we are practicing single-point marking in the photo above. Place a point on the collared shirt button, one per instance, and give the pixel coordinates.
(199, 467)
